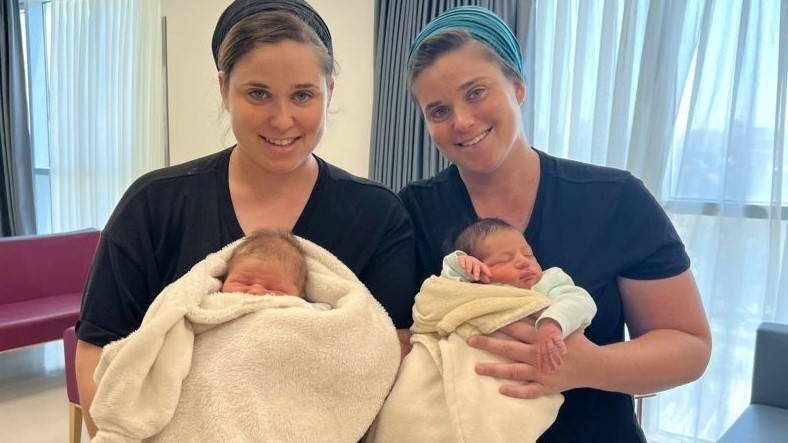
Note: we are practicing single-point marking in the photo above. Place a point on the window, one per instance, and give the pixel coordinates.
(36, 39)
(96, 100)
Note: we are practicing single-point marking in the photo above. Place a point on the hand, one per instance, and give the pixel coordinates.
(551, 345)
(474, 269)
(529, 382)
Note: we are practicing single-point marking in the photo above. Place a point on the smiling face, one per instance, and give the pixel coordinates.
(471, 108)
(277, 97)
(252, 275)
(509, 257)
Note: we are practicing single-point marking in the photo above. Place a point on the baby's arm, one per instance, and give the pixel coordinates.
(460, 266)
(550, 344)
(571, 308)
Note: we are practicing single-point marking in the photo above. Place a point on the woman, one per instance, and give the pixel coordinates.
(275, 70)
(598, 224)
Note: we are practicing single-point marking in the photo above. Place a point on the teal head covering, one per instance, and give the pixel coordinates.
(482, 24)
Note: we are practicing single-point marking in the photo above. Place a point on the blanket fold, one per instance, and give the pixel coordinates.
(438, 397)
(210, 366)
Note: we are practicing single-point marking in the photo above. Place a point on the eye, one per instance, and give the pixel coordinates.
(476, 93)
(501, 260)
(439, 113)
(258, 94)
(302, 96)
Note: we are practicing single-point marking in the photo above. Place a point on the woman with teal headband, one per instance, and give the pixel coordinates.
(600, 225)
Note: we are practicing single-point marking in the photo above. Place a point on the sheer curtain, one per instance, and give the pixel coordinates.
(107, 123)
(690, 96)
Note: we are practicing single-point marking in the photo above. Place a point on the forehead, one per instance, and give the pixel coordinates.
(501, 240)
(288, 59)
(454, 69)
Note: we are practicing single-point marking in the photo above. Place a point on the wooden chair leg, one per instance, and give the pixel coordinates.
(639, 406)
(74, 423)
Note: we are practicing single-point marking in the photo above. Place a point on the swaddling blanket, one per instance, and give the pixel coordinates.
(437, 396)
(209, 366)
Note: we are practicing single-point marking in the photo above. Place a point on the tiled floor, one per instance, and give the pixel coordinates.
(33, 402)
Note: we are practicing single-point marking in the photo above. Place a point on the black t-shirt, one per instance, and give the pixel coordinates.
(596, 224)
(172, 218)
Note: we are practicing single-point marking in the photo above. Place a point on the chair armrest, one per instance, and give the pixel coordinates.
(769, 380)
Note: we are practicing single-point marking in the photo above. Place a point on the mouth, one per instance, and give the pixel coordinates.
(525, 278)
(280, 142)
(475, 140)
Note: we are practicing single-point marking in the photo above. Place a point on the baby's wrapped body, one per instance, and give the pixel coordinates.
(210, 366)
(438, 397)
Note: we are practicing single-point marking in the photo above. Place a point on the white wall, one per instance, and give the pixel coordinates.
(197, 123)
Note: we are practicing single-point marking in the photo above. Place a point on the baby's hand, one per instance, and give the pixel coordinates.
(551, 345)
(474, 269)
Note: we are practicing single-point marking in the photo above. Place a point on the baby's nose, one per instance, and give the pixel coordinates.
(256, 289)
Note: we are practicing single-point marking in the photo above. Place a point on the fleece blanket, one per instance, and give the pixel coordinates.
(209, 366)
(437, 396)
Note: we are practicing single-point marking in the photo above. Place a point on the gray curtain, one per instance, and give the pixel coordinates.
(400, 149)
(17, 213)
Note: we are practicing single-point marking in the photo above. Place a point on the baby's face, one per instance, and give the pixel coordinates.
(251, 275)
(510, 258)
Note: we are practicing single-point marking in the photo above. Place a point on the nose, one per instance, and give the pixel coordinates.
(281, 115)
(463, 119)
(521, 261)
(256, 289)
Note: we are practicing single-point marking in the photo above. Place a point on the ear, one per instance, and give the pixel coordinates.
(520, 90)
(330, 93)
(223, 89)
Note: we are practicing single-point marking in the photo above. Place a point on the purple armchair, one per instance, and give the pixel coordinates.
(41, 283)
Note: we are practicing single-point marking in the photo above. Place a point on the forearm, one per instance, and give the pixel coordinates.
(404, 342)
(656, 361)
(87, 358)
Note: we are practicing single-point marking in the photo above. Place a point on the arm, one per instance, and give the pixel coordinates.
(570, 306)
(670, 346)
(86, 360)
(459, 266)
(404, 342)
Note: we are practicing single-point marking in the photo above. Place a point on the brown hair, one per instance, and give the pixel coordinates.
(270, 27)
(447, 41)
(477, 231)
(277, 246)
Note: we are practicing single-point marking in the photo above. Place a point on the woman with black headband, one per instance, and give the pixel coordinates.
(276, 69)
(598, 224)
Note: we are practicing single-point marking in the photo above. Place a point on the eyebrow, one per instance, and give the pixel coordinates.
(264, 86)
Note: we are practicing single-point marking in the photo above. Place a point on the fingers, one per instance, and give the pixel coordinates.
(521, 331)
(517, 351)
(526, 391)
(511, 371)
(485, 275)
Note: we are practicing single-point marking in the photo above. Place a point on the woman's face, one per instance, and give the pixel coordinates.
(277, 97)
(471, 108)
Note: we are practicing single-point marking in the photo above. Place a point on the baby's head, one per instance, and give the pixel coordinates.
(267, 262)
(503, 249)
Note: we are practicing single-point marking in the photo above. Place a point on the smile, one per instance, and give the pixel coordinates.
(475, 140)
(280, 141)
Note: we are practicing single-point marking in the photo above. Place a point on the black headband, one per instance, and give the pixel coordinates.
(240, 9)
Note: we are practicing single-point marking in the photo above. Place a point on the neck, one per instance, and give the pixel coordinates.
(508, 192)
(519, 168)
(264, 183)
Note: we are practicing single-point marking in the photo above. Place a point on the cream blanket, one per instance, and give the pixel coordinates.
(437, 396)
(208, 366)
